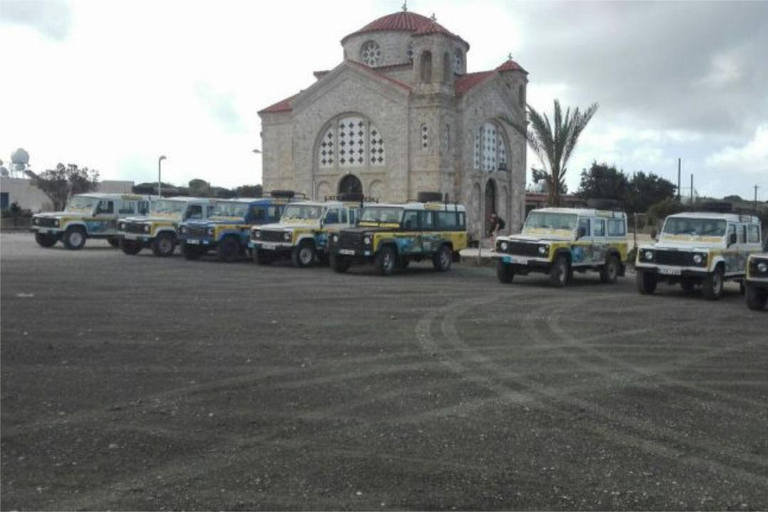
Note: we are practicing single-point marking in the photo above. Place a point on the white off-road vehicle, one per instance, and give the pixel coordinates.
(757, 281)
(699, 249)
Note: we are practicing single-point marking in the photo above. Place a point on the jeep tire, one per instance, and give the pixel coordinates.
(228, 249)
(303, 255)
(339, 263)
(130, 247)
(45, 240)
(646, 282)
(443, 258)
(191, 252)
(504, 272)
(712, 285)
(164, 244)
(386, 261)
(609, 273)
(756, 298)
(74, 238)
(558, 274)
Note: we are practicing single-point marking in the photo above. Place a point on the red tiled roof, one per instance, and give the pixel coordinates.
(404, 21)
(466, 82)
(280, 106)
(510, 65)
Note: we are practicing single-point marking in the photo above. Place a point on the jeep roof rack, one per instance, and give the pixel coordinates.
(714, 207)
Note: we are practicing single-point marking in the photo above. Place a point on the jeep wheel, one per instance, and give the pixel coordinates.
(228, 249)
(646, 282)
(688, 285)
(756, 298)
(74, 238)
(163, 245)
(45, 240)
(443, 259)
(191, 252)
(130, 247)
(339, 263)
(304, 255)
(113, 241)
(504, 272)
(609, 274)
(712, 286)
(386, 260)
(558, 274)
(262, 257)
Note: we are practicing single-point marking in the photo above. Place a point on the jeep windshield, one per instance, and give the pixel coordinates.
(381, 215)
(82, 204)
(167, 207)
(301, 212)
(539, 222)
(694, 228)
(229, 209)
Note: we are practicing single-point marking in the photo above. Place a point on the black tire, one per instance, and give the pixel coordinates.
(558, 274)
(386, 261)
(339, 263)
(504, 272)
(262, 257)
(303, 255)
(646, 282)
(443, 259)
(712, 285)
(131, 247)
(191, 252)
(228, 250)
(74, 238)
(114, 241)
(742, 288)
(163, 245)
(609, 274)
(45, 240)
(756, 298)
(688, 285)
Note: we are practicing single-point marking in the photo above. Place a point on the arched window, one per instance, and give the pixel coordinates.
(426, 66)
(490, 148)
(458, 62)
(521, 95)
(424, 137)
(370, 53)
(447, 68)
(350, 141)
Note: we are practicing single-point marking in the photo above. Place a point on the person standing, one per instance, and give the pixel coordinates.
(496, 225)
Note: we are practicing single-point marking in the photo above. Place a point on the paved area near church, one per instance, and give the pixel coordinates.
(143, 383)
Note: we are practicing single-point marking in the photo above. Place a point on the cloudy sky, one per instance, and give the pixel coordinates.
(114, 84)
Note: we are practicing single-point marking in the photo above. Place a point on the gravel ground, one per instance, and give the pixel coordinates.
(147, 383)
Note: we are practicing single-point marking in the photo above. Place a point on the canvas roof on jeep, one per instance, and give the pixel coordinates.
(583, 212)
(732, 217)
(420, 206)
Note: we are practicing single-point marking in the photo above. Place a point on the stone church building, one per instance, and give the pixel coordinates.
(400, 115)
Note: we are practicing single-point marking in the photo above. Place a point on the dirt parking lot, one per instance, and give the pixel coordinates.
(144, 383)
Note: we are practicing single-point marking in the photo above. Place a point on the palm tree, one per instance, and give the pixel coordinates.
(554, 143)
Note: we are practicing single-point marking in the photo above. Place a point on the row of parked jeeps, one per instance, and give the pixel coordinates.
(695, 249)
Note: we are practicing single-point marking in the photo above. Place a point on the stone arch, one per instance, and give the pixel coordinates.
(323, 190)
(475, 207)
(502, 200)
(376, 189)
(490, 199)
(491, 150)
(350, 184)
(348, 141)
(426, 66)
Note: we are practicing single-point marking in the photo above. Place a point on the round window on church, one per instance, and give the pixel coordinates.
(370, 53)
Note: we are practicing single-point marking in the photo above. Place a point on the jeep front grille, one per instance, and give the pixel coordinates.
(134, 227)
(674, 258)
(272, 236)
(523, 249)
(352, 241)
(195, 232)
(46, 223)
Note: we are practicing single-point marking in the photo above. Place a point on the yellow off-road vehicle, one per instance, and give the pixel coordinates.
(757, 281)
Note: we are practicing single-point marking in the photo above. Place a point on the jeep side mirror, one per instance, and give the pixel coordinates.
(581, 232)
(653, 234)
(732, 239)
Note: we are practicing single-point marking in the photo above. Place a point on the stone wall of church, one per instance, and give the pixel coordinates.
(277, 152)
(393, 47)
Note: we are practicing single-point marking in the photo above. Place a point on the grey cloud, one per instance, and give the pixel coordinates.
(53, 18)
(221, 107)
(698, 66)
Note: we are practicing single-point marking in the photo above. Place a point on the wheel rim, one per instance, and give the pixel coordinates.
(388, 261)
(612, 270)
(305, 255)
(445, 259)
(717, 283)
(75, 238)
(561, 274)
(166, 245)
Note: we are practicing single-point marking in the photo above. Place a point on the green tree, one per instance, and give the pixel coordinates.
(664, 208)
(648, 189)
(554, 142)
(249, 191)
(603, 181)
(65, 181)
(199, 188)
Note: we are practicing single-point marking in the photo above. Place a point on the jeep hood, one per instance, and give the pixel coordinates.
(58, 215)
(281, 226)
(544, 235)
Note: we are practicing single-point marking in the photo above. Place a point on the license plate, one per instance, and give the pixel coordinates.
(670, 271)
(193, 242)
(519, 261)
(131, 237)
(269, 247)
(51, 231)
(348, 252)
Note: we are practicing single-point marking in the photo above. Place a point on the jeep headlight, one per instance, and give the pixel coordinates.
(762, 267)
(146, 228)
(56, 222)
(504, 246)
(35, 221)
(367, 240)
(698, 259)
(183, 229)
(287, 236)
(335, 238)
(256, 233)
(543, 250)
(210, 231)
(647, 255)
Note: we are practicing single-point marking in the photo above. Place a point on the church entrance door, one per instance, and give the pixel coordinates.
(350, 184)
(490, 204)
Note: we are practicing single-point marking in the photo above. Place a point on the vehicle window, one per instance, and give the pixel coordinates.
(616, 228)
(127, 207)
(275, 212)
(343, 216)
(598, 227)
(143, 207)
(462, 221)
(259, 214)
(753, 234)
(731, 229)
(584, 223)
(427, 220)
(208, 210)
(332, 216)
(106, 207)
(195, 211)
(411, 220)
(448, 221)
(742, 231)
(353, 216)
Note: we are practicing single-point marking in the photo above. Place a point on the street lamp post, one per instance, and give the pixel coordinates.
(159, 175)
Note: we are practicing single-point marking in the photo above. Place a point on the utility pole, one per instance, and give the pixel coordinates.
(679, 160)
(756, 187)
(691, 188)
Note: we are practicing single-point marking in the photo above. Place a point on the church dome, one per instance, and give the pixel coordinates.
(404, 21)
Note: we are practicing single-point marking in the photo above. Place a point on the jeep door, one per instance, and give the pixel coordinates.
(105, 218)
(599, 245)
